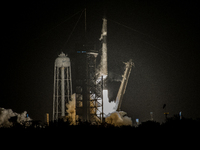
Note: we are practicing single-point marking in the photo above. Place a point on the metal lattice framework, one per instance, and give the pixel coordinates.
(95, 89)
(62, 86)
(88, 91)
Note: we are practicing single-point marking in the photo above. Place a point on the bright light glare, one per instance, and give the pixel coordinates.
(99, 79)
(104, 77)
(108, 107)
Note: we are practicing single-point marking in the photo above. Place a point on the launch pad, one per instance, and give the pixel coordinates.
(91, 97)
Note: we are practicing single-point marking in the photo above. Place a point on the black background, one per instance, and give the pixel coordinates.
(162, 38)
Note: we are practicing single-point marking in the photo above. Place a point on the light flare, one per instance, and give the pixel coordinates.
(108, 107)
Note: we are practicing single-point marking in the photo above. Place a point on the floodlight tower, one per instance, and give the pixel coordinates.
(62, 85)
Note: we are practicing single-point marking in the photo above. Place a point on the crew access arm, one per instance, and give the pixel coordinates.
(123, 85)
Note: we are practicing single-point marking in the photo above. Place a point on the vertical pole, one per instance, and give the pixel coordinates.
(54, 92)
(85, 23)
(62, 92)
(68, 94)
(151, 114)
(95, 86)
(102, 99)
(85, 91)
(57, 80)
(47, 119)
(70, 81)
(87, 88)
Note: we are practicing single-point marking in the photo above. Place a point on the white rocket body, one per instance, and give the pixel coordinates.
(104, 66)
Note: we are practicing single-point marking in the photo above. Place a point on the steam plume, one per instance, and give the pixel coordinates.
(6, 114)
(71, 109)
(118, 118)
(115, 77)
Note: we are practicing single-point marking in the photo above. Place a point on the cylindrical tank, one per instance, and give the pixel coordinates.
(62, 61)
(62, 85)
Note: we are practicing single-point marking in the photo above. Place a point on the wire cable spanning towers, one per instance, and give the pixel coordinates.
(62, 85)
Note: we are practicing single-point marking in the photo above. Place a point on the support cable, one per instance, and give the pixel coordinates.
(73, 29)
(152, 45)
(56, 25)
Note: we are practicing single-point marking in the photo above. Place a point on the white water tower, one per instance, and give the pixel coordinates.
(62, 86)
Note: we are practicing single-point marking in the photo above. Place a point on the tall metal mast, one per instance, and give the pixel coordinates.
(85, 23)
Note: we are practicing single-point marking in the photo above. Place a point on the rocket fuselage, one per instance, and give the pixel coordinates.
(105, 39)
(104, 66)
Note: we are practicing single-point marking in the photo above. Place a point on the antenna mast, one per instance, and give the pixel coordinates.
(85, 22)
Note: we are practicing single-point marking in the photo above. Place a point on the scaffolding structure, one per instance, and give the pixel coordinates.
(88, 92)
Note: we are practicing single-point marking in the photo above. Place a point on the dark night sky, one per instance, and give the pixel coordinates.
(161, 37)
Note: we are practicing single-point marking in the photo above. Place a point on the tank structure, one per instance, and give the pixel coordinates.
(62, 86)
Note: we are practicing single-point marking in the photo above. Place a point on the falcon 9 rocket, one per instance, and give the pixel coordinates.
(103, 64)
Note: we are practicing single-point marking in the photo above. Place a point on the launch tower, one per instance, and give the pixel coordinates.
(88, 91)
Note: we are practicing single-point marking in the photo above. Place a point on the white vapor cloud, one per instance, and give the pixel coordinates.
(118, 118)
(6, 114)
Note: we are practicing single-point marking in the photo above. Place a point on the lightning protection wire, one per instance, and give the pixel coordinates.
(73, 29)
(56, 26)
(144, 35)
